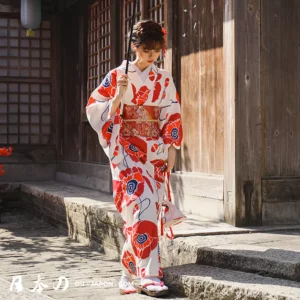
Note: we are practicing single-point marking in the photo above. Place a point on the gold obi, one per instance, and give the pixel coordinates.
(140, 121)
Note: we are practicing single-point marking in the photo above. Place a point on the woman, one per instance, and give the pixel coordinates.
(137, 118)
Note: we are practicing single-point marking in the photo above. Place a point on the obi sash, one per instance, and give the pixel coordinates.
(140, 121)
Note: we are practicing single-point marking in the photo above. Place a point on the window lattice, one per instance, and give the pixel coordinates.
(128, 10)
(25, 100)
(99, 56)
(156, 13)
(21, 56)
(24, 113)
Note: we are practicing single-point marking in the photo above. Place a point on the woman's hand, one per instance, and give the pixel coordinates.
(171, 158)
(122, 84)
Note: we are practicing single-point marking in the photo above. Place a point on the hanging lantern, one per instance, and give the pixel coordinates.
(31, 15)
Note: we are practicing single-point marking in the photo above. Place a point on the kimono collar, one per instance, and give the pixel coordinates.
(131, 69)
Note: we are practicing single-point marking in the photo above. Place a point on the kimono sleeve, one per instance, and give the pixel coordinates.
(170, 117)
(98, 108)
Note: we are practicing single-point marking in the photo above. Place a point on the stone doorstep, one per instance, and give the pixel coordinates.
(204, 282)
(273, 255)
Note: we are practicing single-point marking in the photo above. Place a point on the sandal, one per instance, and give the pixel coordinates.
(142, 289)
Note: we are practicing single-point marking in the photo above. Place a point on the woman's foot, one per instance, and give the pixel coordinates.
(152, 286)
(126, 286)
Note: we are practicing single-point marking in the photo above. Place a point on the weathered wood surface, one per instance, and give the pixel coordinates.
(229, 113)
(281, 190)
(248, 112)
(201, 74)
(280, 78)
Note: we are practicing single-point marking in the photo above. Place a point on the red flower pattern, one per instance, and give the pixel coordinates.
(144, 238)
(140, 97)
(159, 165)
(131, 184)
(129, 263)
(109, 85)
(172, 130)
(135, 147)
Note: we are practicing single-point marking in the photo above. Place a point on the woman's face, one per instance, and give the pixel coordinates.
(148, 56)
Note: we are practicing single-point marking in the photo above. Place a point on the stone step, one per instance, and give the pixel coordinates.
(210, 283)
(267, 254)
(91, 218)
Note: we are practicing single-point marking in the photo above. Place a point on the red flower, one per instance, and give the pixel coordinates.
(144, 238)
(135, 147)
(1, 170)
(91, 101)
(118, 195)
(157, 88)
(108, 85)
(5, 151)
(131, 184)
(172, 130)
(140, 97)
(129, 263)
(159, 166)
(151, 75)
(107, 130)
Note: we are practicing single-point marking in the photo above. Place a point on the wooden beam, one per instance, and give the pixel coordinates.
(116, 33)
(229, 112)
(56, 87)
(242, 122)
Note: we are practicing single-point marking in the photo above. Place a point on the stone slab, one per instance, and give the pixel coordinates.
(92, 176)
(271, 254)
(204, 282)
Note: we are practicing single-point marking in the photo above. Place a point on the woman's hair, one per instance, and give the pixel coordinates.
(149, 33)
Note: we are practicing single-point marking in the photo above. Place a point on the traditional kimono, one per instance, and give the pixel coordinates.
(136, 139)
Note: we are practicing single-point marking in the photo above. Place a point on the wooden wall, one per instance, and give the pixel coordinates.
(200, 55)
(261, 46)
(280, 87)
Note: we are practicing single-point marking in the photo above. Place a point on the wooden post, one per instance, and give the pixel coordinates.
(57, 110)
(242, 123)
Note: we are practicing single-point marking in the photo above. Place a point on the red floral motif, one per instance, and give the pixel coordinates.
(140, 272)
(154, 148)
(151, 75)
(91, 101)
(118, 195)
(107, 130)
(131, 184)
(140, 97)
(167, 81)
(172, 130)
(159, 165)
(136, 208)
(144, 238)
(127, 231)
(129, 263)
(135, 147)
(109, 85)
(157, 207)
(177, 97)
(149, 183)
(157, 88)
(160, 272)
(4, 152)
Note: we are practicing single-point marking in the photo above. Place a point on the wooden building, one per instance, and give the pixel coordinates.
(236, 66)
